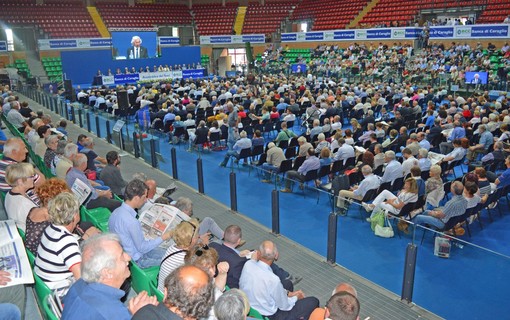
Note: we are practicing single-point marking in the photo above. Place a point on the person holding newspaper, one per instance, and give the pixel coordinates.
(144, 252)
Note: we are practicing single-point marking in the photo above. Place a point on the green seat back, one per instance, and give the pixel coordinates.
(141, 278)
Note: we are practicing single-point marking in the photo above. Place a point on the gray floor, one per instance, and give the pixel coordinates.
(319, 277)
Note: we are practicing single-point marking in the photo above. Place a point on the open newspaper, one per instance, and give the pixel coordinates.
(435, 157)
(81, 191)
(160, 218)
(13, 257)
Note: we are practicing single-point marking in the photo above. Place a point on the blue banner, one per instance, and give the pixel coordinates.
(344, 35)
(254, 38)
(314, 36)
(441, 32)
(199, 73)
(169, 41)
(58, 44)
(288, 37)
(489, 31)
(3, 46)
(101, 42)
(379, 34)
(126, 78)
(413, 33)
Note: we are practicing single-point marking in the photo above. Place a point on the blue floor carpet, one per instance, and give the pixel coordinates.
(471, 284)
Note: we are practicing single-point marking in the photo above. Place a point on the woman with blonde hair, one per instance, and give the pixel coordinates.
(393, 204)
(20, 176)
(185, 237)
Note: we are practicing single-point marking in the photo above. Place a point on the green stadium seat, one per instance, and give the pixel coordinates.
(141, 278)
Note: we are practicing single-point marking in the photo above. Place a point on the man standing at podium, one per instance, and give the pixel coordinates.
(136, 51)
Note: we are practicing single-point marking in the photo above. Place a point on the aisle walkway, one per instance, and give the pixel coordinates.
(319, 277)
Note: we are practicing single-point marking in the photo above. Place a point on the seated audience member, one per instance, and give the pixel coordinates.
(485, 141)
(20, 176)
(207, 225)
(274, 158)
(227, 252)
(424, 143)
(242, 143)
(15, 118)
(269, 297)
(231, 305)
(258, 139)
(369, 182)
(483, 183)
(207, 259)
(79, 142)
(92, 157)
(344, 152)
(409, 161)
(311, 163)
(285, 134)
(66, 162)
(423, 160)
(320, 313)
(58, 257)
(189, 295)
(51, 158)
(185, 237)
(504, 179)
(472, 195)
(303, 146)
(15, 151)
(378, 156)
(40, 147)
(416, 175)
(456, 154)
(62, 125)
(434, 191)
(111, 175)
(316, 129)
(96, 296)
(38, 218)
(97, 198)
(321, 143)
(32, 135)
(393, 168)
(145, 253)
(438, 217)
(388, 201)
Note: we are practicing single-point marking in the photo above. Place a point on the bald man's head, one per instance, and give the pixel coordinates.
(347, 288)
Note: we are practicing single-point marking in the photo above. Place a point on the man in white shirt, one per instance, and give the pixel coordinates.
(370, 182)
(344, 152)
(266, 293)
(409, 161)
(393, 169)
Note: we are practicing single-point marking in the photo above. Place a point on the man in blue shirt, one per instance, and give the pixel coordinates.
(145, 252)
(96, 296)
(486, 139)
(504, 179)
(458, 133)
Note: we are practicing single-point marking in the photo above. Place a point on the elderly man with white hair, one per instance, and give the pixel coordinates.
(370, 182)
(243, 143)
(104, 268)
(393, 169)
(137, 51)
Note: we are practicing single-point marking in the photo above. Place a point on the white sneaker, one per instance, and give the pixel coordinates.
(368, 207)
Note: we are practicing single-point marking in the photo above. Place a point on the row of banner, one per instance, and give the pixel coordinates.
(458, 32)
(153, 76)
(94, 43)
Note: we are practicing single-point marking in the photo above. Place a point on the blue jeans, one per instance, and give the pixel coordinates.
(230, 153)
(269, 168)
(424, 218)
(9, 311)
(151, 258)
(231, 140)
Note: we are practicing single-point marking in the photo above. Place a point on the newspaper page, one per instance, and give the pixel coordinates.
(160, 218)
(435, 157)
(81, 191)
(13, 257)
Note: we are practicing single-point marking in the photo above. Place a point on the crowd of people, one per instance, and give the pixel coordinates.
(355, 130)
